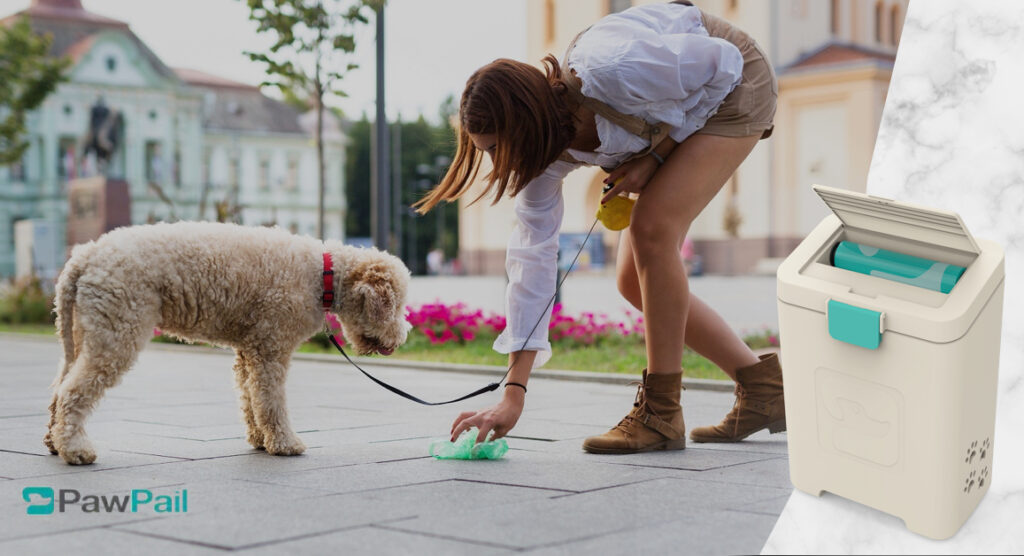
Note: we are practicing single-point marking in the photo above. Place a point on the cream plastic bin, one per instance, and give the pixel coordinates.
(907, 426)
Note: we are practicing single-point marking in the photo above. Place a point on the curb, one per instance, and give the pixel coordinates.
(462, 368)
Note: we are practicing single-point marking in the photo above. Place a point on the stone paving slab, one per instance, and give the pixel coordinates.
(248, 526)
(375, 540)
(683, 536)
(366, 482)
(103, 540)
(621, 508)
(20, 465)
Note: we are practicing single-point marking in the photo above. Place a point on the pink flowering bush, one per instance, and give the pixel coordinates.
(334, 325)
(442, 323)
(333, 328)
(590, 328)
(766, 338)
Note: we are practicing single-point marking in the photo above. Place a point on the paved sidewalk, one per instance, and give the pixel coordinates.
(366, 483)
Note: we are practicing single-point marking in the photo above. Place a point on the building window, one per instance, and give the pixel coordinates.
(292, 180)
(67, 158)
(67, 109)
(17, 170)
(207, 155)
(549, 20)
(233, 171)
(615, 6)
(834, 16)
(154, 163)
(111, 64)
(895, 25)
(264, 176)
(176, 168)
(879, 19)
(152, 114)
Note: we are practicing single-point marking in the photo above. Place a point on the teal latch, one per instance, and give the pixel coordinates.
(854, 325)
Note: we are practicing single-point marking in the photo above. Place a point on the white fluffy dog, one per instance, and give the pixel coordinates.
(257, 290)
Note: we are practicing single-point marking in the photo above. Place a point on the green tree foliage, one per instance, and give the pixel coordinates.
(313, 41)
(423, 144)
(27, 75)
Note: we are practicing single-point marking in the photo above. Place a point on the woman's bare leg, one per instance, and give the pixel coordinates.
(691, 176)
(706, 331)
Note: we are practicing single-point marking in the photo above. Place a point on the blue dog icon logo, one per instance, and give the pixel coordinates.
(43, 502)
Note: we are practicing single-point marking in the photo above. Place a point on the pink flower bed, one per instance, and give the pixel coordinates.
(443, 323)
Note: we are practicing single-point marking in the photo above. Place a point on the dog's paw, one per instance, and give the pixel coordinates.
(48, 442)
(78, 451)
(285, 446)
(255, 439)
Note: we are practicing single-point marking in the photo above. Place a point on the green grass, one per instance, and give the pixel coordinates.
(616, 356)
(41, 329)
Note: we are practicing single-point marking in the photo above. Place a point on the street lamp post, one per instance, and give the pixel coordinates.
(380, 192)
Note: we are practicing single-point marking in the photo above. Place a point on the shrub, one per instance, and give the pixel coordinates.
(766, 338)
(590, 328)
(333, 328)
(25, 302)
(442, 323)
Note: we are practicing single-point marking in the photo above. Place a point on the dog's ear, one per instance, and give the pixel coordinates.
(377, 291)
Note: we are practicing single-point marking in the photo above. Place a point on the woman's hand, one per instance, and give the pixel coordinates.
(500, 418)
(630, 177)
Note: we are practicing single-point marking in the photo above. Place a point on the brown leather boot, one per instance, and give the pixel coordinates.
(656, 422)
(759, 404)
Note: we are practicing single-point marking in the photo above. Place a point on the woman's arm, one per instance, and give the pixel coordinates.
(504, 415)
(532, 266)
(631, 176)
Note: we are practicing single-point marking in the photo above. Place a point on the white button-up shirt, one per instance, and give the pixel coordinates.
(654, 61)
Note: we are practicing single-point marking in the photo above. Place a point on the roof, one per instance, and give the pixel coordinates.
(72, 28)
(235, 106)
(833, 54)
(203, 79)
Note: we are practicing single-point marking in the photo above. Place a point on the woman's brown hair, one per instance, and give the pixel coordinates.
(529, 113)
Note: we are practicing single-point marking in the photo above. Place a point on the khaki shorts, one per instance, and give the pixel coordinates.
(750, 108)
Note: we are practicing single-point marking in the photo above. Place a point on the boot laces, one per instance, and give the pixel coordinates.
(735, 413)
(625, 424)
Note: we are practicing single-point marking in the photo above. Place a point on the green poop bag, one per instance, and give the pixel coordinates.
(466, 447)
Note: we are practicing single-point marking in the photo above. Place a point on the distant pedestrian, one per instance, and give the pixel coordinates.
(435, 261)
(669, 100)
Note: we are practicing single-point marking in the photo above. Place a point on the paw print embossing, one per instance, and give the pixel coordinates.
(983, 477)
(986, 447)
(972, 452)
(969, 481)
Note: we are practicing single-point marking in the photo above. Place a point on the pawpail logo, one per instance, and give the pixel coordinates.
(45, 501)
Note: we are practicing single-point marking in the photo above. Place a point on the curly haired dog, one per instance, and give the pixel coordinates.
(257, 290)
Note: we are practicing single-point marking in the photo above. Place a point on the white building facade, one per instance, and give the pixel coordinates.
(188, 141)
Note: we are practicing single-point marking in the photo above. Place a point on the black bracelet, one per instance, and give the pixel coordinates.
(507, 384)
(657, 157)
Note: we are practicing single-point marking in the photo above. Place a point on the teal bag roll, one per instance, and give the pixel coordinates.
(923, 273)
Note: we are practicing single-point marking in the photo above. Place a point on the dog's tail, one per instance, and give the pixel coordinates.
(64, 306)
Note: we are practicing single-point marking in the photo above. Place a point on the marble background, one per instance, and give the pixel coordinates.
(952, 136)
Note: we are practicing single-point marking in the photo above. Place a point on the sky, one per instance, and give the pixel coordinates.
(431, 46)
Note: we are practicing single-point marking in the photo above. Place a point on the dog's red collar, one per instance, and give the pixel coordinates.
(328, 297)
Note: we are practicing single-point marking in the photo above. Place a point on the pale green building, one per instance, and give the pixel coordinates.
(196, 138)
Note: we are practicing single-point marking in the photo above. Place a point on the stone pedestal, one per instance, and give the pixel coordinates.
(96, 206)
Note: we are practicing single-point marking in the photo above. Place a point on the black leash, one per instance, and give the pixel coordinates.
(494, 385)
